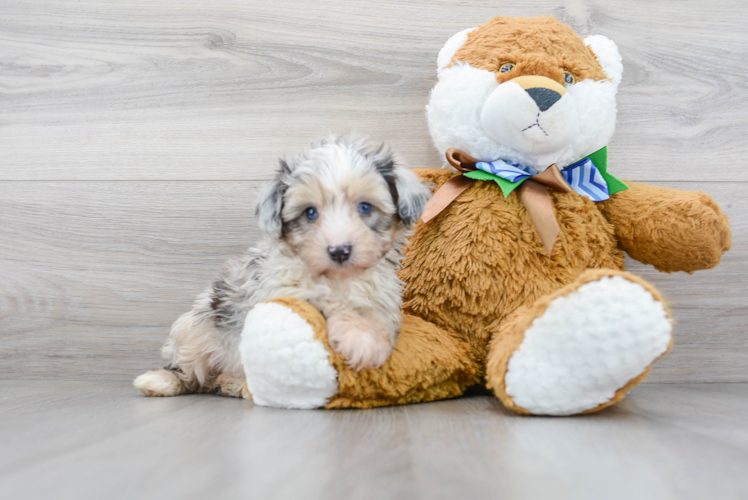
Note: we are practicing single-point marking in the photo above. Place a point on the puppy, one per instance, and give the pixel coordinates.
(335, 220)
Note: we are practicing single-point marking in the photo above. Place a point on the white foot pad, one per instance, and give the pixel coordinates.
(586, 346)
(285, 366)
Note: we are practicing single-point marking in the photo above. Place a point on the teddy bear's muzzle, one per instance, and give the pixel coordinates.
(544, 91)
(532, 114)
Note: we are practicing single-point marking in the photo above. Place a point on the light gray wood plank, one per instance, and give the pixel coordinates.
(716, 411)
(617, 454)
(61, 417)
(195, 90)
(92, 274)
(666, 441)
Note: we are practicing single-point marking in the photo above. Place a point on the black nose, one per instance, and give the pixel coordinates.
(339, 253)
(544, 98)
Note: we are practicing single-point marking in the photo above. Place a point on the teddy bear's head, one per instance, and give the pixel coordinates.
(528, 91)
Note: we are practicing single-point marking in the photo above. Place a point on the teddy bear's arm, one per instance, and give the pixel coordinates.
(671, 229)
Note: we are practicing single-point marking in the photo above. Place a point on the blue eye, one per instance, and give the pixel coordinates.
(311, 213)
(364, 208)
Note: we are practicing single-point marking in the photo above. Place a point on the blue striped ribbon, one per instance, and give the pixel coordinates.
(583, 176)
(507, 171)
(585, 179)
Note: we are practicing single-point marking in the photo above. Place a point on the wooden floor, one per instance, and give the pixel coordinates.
(82, 440)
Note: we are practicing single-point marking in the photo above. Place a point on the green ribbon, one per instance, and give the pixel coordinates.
(599, 158)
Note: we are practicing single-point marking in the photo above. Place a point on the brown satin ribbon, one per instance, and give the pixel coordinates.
(532, 193)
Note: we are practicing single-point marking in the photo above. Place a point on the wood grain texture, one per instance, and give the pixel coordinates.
(134, 136)
(94, 273)
(203, 90)
(82, 440)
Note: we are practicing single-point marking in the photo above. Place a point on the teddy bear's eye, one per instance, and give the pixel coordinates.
(569, 78)
(506, 67)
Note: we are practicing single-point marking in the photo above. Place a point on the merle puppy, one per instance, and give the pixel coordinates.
(335, 220)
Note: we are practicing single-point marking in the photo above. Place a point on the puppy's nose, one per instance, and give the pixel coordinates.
(544, 98)
(339, 253)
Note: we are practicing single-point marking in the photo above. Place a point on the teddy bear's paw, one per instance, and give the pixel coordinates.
(586, 346)
(285, 365)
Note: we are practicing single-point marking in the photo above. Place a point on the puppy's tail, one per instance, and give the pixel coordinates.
(160, 383)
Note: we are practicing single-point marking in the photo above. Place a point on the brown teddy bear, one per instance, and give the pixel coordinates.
(515, 279)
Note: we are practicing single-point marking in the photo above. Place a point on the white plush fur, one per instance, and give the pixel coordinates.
(451, 47)
(586, 346)
(465, 99)
(284, 365)
(607, 54)
(511, 117)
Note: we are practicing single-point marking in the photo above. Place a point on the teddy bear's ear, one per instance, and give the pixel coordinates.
(450, 48)
(607, 54)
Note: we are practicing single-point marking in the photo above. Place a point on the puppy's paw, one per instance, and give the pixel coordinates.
(362, 345)
(159, 383)
(231, 386)
(362, 349)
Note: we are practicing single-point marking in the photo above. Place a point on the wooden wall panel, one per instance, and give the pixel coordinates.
(93, 273)
(203, 90)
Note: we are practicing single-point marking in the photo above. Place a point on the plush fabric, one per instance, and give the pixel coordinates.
(285, 364)
(428, 362)
(481, 259)
(539, 46)
(484, 302)
(670, 229)
(648, 329)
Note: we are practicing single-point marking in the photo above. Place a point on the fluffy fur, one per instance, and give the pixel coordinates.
(488, 276)
(478, 277)
(429, 363)
(604, 333)
(484, 303)
(285, 364)
(360, 296)
(477, 108)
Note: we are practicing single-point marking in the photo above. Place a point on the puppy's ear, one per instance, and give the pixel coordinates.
(408, 192)
(270, 202)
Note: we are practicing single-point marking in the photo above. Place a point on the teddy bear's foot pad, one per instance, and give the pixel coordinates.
(586, 346)
(285, 365)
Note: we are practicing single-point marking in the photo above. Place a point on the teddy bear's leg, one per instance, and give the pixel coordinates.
(285, 362)
(580, 349)
(427, 364)
(289, 363)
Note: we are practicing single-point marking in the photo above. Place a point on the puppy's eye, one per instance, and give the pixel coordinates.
(569, 78)
(506, 67)
(364, 208)
(311, 213)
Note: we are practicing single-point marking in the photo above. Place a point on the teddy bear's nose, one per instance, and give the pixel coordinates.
(544, 98)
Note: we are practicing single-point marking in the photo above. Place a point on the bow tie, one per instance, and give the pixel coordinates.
(588, 177)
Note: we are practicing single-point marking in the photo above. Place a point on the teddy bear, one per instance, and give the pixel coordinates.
(515, 277)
